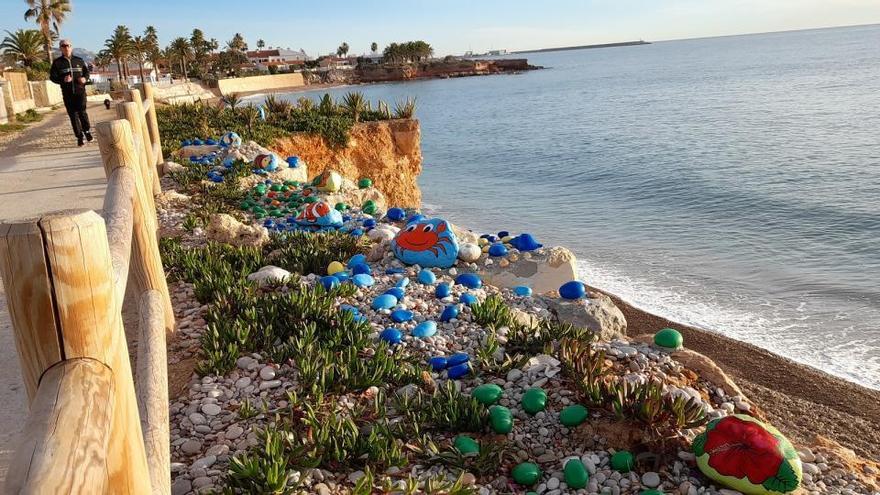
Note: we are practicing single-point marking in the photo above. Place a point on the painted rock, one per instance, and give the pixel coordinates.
(497, 250)
(503, 233)
(369, 207)
(262, 111)
(341, 207)
(466, 445)
(469, 252)
(365, 183)
(397, 292)
(427, 277)
(418, 217)
(230, 139)
(500, 419)
(622, 461)
(428, 243)
(487, 393)
(534, 400)
(522, 290)
(329, 282)
(576, 474)
(342, 276)
(356, 260)
(469, 280)
(573, 415)
(467, 299)
(748, 455)
(395, 214)
(334, 267)
(425, 329)
(456, 372)
(572, 290)
(359, 268)
(369, 223)
(401, 315)
(391, 335)
(319, 214)
(669, 338)
(385, 301)
(438, 363)
(292, 161)
(458, 358)
(651, 491)
(328, 181)
(525, 242)
(449, 312)
(442, 290)
(363, 280)
(526, 473)
(268, 162)
(402, 283)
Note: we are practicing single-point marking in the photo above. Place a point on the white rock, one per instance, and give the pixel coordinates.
(211, 409)
(651, 479)
(269, 274)
(233, 432)
(267, 373)
(270, 384)
(204, 462)
(469, 252)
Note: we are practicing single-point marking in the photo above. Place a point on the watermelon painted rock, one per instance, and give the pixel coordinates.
(573, 415)
(526, 473)
(748, 455)
(576, 474)
(534, 400)
(427, 243)
(466, 445)
(623, 461)
(500, 419)
(669, 338)
(487, 393)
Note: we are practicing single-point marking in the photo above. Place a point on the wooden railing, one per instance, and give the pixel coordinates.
(93, 428)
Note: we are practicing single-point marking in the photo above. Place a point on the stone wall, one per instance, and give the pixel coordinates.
(260, 83)
(388, 152)
(46, 93)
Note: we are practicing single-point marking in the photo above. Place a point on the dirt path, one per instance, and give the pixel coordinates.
(41, 170)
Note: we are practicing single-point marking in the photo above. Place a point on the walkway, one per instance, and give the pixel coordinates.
(41, 171)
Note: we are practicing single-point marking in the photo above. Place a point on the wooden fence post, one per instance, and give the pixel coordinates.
(144, 125)
(152, 390)
(145, 269)
(153, 125)
(129, 111)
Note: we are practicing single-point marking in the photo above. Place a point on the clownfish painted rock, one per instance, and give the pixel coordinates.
(320, 214)
(268, 162)
(427, 243)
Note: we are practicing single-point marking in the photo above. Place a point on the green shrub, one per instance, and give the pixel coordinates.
(312, 252)
(28, 116)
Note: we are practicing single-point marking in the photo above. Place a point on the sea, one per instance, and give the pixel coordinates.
(730, 183)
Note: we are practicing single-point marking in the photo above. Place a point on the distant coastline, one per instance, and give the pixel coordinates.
(585, 47)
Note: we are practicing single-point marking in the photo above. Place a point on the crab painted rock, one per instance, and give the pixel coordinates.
(428, 243)
(747, 455)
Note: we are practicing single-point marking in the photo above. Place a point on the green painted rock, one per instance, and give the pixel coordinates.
(534, 400)
(669, 338)
(487, 393)
(365, 183)
(652, 491)
(466, 445)
(573, 415)
(748, 455)
(311, 199)
(500, 419)
(526, 473)
(341, 207)
(369, 207)
(576, 475)
(622, 461)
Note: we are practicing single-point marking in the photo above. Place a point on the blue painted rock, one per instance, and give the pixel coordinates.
(458, 371)
(427, 277)
(467, 299)
(428, 243)
(359, 268)
(418, 217)
(228, 162)
(385, 301)
(396, 292)
(230, 139)
(525, 242)
(363, 280)
(442, 290)
(369, 223)
(395, 214)
(292, 161)
(497, 250)
(572, 290)
(342, 276)
(185, 143)
(349, 308)
(394, 270)
(197, 142)
(502, 234)
(357, 232)
(328, 181)
(425, 329)
(449, 312)
(458, 358)
(329, 282)
(356, 260)
(438, 363)
(469, 280)
(522, 290)
(268, 162)
(402, 283)
(262, 112)
(401, 315)
(391, 335)
(748, 455)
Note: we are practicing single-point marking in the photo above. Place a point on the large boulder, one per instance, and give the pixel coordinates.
(225, 228)
(597, 313)
(543, 270)
(464, 236)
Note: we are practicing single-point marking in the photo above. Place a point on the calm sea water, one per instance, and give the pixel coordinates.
(728, 183)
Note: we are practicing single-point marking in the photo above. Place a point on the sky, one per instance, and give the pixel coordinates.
(450, 26)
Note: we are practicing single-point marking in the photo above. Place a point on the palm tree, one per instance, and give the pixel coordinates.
(179, 49)
(140, 49)
(237, 43)
(24, 45)
(261, 44)
(119, 46)
(153, 53)
(373, 47)
(48, 14)
(342, 50)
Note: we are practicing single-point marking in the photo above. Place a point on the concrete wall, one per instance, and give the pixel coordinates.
(4, 118)
(259, 83)
(46, 93)
(19, 83)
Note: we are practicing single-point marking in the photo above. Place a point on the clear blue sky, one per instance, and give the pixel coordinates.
(451, 26)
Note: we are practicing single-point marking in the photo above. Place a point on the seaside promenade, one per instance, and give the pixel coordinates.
(41, 170)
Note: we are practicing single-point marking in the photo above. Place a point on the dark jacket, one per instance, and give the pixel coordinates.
(73, 66)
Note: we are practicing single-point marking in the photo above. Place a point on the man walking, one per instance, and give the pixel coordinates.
(72, 74)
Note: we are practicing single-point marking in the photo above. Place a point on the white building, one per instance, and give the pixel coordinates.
(278, 57)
